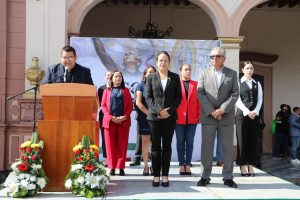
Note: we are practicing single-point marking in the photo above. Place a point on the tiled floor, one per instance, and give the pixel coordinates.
(281, 168)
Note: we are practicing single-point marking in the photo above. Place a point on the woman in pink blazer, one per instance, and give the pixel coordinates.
(116, 106)
(188, 117)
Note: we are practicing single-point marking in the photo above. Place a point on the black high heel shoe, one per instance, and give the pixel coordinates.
(112, 172)
(251, 174)
(146, 172)
(243, 174)
(155, 184)
(165, 184)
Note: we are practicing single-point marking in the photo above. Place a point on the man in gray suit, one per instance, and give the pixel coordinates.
(218, 92)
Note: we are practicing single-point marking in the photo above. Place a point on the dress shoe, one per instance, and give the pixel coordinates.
(251, 174)
(165, 184)
(112, 172)
(230, 183)
(220, 164)
(203, 182)
(136, 162)
(122, 172)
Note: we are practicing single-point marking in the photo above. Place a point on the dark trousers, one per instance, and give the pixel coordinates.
(281, 139)
(247, 140)
(103, 142)
(162, 133)
(138, 145)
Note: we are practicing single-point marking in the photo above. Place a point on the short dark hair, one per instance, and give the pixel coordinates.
(68, 48)
(111, 77)
(295, 109)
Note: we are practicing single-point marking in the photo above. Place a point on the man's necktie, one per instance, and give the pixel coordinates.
(69, 76)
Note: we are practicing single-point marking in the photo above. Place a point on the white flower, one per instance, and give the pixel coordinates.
(12, 188)
(92, 180)
(15, 165)
(31, 186)
(34, 166)
(42, 182)
(32, 178)
(80, 180)
(24, 183)
(68, 184)
(76, 167)
(12, 178)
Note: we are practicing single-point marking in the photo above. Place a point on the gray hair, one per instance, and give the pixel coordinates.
(221, 49)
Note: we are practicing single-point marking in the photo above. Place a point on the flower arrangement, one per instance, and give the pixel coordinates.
(27, 176)
(87, 176)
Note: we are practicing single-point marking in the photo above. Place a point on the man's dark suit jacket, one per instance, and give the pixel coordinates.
(55, 74)
(157, 99)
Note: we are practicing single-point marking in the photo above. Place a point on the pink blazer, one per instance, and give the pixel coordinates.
(190, 106)
(105, 106)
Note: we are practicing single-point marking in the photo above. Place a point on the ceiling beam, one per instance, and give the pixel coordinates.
(156, 2)
(262, 4)
(293, 3)
(282, 3)
(272, 3)
(187, 2)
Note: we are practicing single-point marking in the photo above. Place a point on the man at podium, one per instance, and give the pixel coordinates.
(68, 71)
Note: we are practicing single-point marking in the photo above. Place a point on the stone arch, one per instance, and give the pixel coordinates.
(214, 9)
(240, 13)
(225, 25)
(77, 12)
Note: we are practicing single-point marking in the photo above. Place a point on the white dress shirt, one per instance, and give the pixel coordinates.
(242, 106)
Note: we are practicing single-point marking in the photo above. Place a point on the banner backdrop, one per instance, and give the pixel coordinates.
(131, 56)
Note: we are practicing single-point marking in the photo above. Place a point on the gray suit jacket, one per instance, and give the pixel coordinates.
(212, 98)
(157, 99)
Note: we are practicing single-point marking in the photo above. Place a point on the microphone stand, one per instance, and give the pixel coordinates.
(34, 104)
(35, 88)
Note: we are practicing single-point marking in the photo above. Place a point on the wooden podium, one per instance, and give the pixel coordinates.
(69, 113)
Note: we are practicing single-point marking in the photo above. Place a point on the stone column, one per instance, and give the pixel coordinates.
(232, 47)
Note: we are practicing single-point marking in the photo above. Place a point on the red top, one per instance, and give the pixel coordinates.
(189, 106)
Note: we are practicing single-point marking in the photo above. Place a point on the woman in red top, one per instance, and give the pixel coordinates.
(188, 116)
(116, 106)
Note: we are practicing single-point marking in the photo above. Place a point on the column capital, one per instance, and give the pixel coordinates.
(231, 42)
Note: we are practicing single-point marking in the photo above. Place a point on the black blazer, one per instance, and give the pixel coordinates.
(158, 100)
(55, 74)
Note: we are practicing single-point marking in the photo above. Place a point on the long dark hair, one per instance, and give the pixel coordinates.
(145, 72)
(111, 77)
(163, 52)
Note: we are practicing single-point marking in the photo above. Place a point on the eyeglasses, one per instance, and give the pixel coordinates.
(68, 58)
(215, 56)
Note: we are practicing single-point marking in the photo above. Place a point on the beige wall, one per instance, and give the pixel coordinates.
(277, 32)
